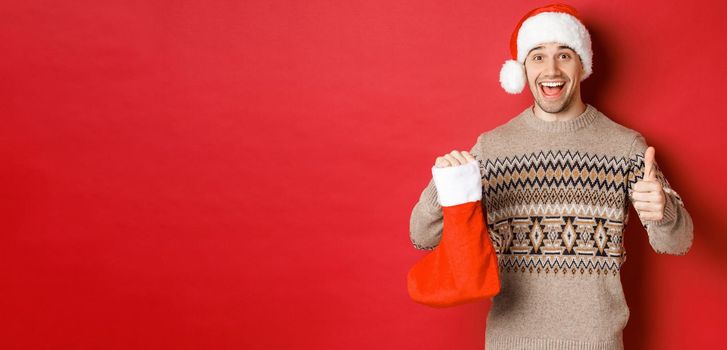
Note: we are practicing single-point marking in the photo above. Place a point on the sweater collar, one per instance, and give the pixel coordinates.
(584, 119)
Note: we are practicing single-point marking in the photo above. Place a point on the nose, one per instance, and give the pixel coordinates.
(551, 68)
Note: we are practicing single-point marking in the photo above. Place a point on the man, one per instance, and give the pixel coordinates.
(556, 182)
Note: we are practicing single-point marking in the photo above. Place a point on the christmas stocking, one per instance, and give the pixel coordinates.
(463, 267)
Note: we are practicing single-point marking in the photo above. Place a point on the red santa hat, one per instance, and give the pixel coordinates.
(552, 23)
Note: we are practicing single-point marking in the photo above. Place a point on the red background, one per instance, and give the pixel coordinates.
(240, 174)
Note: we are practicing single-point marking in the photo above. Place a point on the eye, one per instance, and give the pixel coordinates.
(564, 56)
(537, 58)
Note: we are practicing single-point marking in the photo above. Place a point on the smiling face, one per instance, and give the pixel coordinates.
(554, 74)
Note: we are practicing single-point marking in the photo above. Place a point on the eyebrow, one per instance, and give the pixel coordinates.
(559, 48)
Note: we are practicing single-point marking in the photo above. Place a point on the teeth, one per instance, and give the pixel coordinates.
(553, 84)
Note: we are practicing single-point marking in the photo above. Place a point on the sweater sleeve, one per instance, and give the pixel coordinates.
(425, 223)
(673, 234)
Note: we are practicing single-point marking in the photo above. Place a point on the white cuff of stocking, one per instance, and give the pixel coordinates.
(458, 184)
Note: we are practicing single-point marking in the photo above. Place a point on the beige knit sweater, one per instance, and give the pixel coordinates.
(556, 197)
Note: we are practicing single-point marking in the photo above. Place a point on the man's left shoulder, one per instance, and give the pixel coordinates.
(617, 130)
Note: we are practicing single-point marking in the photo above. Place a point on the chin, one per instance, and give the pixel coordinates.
(552, 109)
(554, 106)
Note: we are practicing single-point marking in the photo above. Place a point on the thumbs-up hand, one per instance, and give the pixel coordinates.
(648, 195)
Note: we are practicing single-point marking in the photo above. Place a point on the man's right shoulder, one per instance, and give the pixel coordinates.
(499, 132)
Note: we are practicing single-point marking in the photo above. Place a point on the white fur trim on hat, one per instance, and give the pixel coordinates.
(555, 27)
(512, 76)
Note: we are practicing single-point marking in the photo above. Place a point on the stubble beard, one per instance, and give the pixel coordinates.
(553, 107)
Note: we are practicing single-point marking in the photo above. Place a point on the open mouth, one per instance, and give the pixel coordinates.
(552, 89)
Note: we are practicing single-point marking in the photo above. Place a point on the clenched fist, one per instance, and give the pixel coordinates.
(454, 158)
(457, 178)
(648, 195)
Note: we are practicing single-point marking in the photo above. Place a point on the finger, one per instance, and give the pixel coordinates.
(647, 207)
(468, 156)
(459, 157)
(452, 160)
(646, 186)
(652, 197)
(649, 170)
(441, 162)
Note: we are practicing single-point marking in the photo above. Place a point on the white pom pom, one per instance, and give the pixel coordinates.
(512, 76)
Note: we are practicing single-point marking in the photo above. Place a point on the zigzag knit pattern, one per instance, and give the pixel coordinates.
(560, 211)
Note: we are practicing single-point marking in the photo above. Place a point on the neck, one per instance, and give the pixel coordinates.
(585, 119)
(576, 108)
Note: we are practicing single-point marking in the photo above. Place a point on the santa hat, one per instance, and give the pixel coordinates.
(552, 23)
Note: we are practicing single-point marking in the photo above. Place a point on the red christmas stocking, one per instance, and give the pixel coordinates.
(463, 267)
